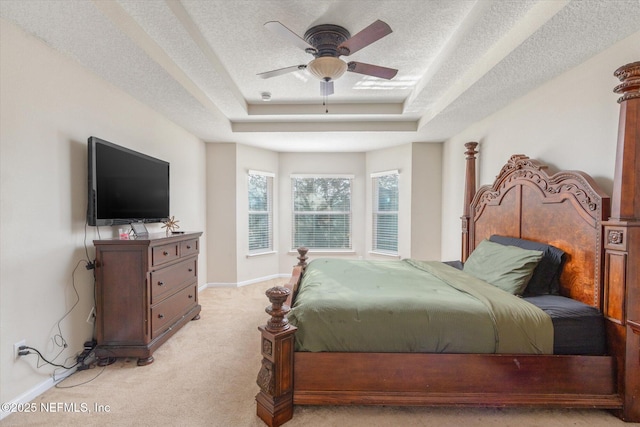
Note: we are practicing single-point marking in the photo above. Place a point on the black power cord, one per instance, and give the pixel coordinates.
(58, 339)
(25, 350)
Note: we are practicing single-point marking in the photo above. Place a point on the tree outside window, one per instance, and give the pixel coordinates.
(321, 212)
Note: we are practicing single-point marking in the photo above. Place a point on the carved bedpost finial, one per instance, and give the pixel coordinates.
(302, 257)
(626, 178)
(469, 192)
(629, 75)
(471, 149)
(278, 310)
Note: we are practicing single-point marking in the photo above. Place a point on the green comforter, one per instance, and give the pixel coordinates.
(412, 306)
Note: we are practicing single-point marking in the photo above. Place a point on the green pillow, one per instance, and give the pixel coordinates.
(507, 267)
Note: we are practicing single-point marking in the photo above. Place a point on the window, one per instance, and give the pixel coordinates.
(321, 212)
(385, 212)
(260, 185)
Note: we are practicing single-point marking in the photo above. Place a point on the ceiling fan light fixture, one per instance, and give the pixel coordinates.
(327, 68)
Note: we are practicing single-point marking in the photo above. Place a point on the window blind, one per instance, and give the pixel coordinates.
(260, 191)
(385, 212)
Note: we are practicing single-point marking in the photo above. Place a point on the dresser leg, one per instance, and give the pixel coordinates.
(197, 317)
(145, 361)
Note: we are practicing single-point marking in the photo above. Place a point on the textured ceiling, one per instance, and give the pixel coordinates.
(196, 61)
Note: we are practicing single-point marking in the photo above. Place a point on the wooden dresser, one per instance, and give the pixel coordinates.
(146, 290)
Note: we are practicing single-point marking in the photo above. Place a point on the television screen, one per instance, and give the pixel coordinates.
(125, 186)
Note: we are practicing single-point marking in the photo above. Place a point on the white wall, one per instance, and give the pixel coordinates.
(569, 123)
(49, 106)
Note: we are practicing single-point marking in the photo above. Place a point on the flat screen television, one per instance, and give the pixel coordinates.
(125, 186)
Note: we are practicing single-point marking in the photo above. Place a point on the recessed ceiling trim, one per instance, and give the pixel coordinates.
(306, 109)
(192, 29)
(335, 126)
(535, 18)
(154, 51)
(448, 49)
(120, 18)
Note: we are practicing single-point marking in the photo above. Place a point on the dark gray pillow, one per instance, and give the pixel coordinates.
(546, 276)
(455, 264)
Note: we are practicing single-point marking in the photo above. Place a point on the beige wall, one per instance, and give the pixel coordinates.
(426, 197)
(228, 164)
(394, 158)
(569, 123)
(49, 106)
(420, 184)
(227, 214)
(251, 268)
(221, 213)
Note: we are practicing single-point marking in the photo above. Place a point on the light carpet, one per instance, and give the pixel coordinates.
(206, 376)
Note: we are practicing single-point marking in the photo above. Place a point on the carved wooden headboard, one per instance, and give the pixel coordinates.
(565, 210)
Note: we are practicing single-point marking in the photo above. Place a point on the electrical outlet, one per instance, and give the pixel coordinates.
(16, 348)
(92, 316)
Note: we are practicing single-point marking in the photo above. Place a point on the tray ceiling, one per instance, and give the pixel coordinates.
(197, 61)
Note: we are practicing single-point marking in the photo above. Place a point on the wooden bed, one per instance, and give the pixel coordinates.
(601, 237)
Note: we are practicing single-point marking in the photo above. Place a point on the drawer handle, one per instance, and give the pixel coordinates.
(165, 253)
(188, 246)
(160, 316)
(190, 296)
(190, 270)
(160, 283)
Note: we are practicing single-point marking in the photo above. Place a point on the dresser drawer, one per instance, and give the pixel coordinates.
(165, 253)
(166, 313)
(189, 247)
(165, 281)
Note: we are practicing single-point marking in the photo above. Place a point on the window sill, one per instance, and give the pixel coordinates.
(325, 252)
(387, 254)
(255, 254)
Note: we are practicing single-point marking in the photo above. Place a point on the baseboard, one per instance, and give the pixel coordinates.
(31, 394)
(245, 283)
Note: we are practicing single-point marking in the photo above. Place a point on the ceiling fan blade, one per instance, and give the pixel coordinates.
(289, 35)
(326, 87)
(364, 38)
(281, 71)
(372, 70)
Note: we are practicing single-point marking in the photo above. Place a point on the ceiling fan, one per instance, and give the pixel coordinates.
(327, 42)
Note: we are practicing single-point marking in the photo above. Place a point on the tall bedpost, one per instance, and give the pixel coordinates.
(275, 399)
(302, 257)
(469, 192)
(622, 245)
